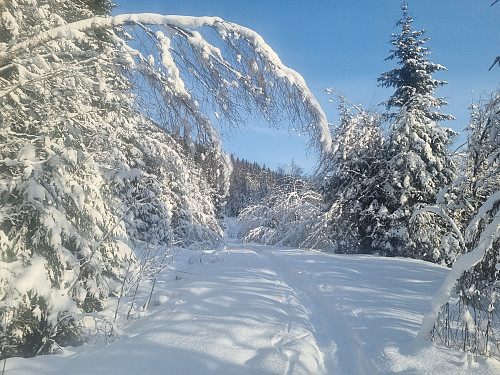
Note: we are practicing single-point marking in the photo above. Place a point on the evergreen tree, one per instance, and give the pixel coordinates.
(59, 217)
(417, 167)
(412, 79)
(417, 163)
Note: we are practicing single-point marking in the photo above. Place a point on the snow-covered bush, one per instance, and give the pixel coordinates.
(285, 217)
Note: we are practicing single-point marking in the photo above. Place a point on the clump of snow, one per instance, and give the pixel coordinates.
(10, 23)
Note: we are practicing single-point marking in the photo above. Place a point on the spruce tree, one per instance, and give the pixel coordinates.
(417, 166)
(417, 160)
(412, 79)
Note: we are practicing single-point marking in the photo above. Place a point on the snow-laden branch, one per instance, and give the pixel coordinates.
(467, 261)
(183, 26)
(442, 213)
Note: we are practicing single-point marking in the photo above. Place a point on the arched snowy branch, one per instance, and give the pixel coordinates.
(250, 67)
(442, 213)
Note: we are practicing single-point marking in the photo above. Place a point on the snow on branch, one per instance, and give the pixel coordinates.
(249, 66)
(466, 262)
(437, 210)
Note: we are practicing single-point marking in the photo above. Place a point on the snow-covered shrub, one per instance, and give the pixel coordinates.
(467, 308)
(285, 217)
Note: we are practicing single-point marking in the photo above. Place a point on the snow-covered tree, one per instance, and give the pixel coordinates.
(61, 111)
(350, 183)
(417, 167)
(87, 168)
(412, 79)
(417, 163)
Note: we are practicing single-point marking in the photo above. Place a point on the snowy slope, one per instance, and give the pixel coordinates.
(251, 309)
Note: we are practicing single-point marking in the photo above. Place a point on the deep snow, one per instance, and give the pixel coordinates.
(251, 309)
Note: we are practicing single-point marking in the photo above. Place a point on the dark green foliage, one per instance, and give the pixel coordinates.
(31, 332)
(249, 183)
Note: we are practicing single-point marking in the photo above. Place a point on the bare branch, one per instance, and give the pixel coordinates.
(497, 60)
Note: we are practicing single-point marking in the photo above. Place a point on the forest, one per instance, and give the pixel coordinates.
(111, 161)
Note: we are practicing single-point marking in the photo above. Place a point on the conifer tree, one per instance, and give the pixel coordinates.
(350, 182)
(417, 162)
(59, 218)
(412, 79)
(417, 166)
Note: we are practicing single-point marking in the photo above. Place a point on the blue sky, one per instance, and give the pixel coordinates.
(343, 44)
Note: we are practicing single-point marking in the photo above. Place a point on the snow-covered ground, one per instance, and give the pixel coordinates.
(257, 310)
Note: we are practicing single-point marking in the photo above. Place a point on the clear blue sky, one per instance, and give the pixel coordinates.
(343, 44)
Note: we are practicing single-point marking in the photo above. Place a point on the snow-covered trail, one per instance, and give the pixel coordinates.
(251, 309)
(339, 343)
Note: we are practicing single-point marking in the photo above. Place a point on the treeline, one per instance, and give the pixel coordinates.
(249, 183)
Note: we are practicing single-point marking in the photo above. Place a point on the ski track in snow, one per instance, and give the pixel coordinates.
(329, 325)
(258, 310)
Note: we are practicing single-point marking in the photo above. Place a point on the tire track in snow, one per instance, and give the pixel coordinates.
(339, 343)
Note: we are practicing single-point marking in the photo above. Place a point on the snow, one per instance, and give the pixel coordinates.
(253, 309)
(75, 31)
(10, 23)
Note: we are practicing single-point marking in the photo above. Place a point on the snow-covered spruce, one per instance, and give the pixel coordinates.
(412, 79)
(102, 146)
(417, 163)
